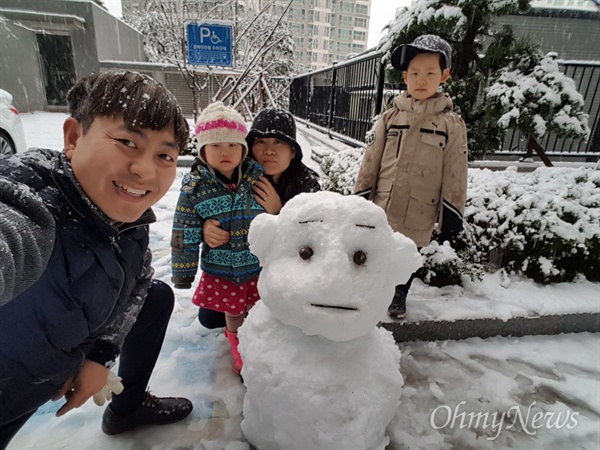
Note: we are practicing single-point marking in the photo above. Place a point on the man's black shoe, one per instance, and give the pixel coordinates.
(154, 411)
(397, 309)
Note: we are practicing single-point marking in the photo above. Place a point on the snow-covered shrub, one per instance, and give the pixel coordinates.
(533, 95)
(191, 148)
(545, 224)
(443, 266)
(340, 170)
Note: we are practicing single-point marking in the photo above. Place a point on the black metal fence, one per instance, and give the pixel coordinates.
(345, 97)
(342, 98)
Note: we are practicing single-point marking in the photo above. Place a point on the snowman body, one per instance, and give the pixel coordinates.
(314, 397)
(319, 372)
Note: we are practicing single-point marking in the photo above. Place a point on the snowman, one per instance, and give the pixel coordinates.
(319, 372)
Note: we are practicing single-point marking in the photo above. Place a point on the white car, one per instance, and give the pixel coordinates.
(12, 135)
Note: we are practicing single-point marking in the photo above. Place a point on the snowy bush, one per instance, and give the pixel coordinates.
(191, 148)
(340, 170)
(533, 95)
(543, 224)
(444, 266)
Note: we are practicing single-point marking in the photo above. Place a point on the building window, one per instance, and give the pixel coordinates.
(360, 22)
(348, 7)
(345, 35)
(362, 9)
(343, 48)
(346, 21)
(360, 36)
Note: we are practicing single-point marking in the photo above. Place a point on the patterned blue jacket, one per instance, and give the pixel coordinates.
(203, 196)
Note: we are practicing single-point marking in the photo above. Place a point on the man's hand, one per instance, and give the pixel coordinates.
(90, 379)
(214, 235)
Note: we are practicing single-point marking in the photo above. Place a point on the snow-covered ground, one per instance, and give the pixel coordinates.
(536, 392)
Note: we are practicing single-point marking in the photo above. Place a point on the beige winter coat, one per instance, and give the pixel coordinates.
(415, 166)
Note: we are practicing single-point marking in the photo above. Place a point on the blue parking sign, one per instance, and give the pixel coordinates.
(210, 44)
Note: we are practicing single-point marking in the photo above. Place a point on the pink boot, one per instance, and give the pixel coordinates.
(235, 354)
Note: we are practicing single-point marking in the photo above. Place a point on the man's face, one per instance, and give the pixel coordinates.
(424, 75)
(123, 171)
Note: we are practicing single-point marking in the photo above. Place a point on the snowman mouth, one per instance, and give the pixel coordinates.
(342, 308)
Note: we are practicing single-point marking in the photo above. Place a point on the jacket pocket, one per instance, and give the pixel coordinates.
(434, 140)
(382, 198)
(422, 209)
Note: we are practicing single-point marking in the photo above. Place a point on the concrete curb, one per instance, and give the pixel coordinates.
(486, 328)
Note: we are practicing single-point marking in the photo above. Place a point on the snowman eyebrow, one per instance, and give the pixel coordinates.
(365, 226)
(310, 221)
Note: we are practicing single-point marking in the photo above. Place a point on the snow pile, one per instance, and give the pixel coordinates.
(330, 264)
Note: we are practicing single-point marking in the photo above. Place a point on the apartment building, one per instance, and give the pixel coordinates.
(324, 31)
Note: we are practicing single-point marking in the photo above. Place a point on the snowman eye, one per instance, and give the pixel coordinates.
(305, 252)
(360, 258)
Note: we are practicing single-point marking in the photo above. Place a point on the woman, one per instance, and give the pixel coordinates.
(272, 143)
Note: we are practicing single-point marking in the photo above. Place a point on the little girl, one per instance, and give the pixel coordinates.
(219, 187)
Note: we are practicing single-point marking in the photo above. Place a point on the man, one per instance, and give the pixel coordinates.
(76, 284)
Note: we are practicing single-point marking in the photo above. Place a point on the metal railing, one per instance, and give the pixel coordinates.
(345, 97)
(342, 98)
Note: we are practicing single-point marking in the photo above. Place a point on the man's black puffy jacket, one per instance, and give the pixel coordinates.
(71, 282)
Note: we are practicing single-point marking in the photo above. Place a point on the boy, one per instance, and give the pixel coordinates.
(76, 283)
(415, 163)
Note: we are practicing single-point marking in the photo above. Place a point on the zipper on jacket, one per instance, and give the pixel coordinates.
(146, 219)
(399, 142)
(115, 244)
(400, 128)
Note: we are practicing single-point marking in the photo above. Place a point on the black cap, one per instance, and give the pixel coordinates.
(275, 123)
(403, 54)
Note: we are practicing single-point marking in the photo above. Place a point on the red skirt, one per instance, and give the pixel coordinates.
(225, 296)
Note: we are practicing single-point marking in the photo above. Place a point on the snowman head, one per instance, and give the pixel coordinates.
(330, 263)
